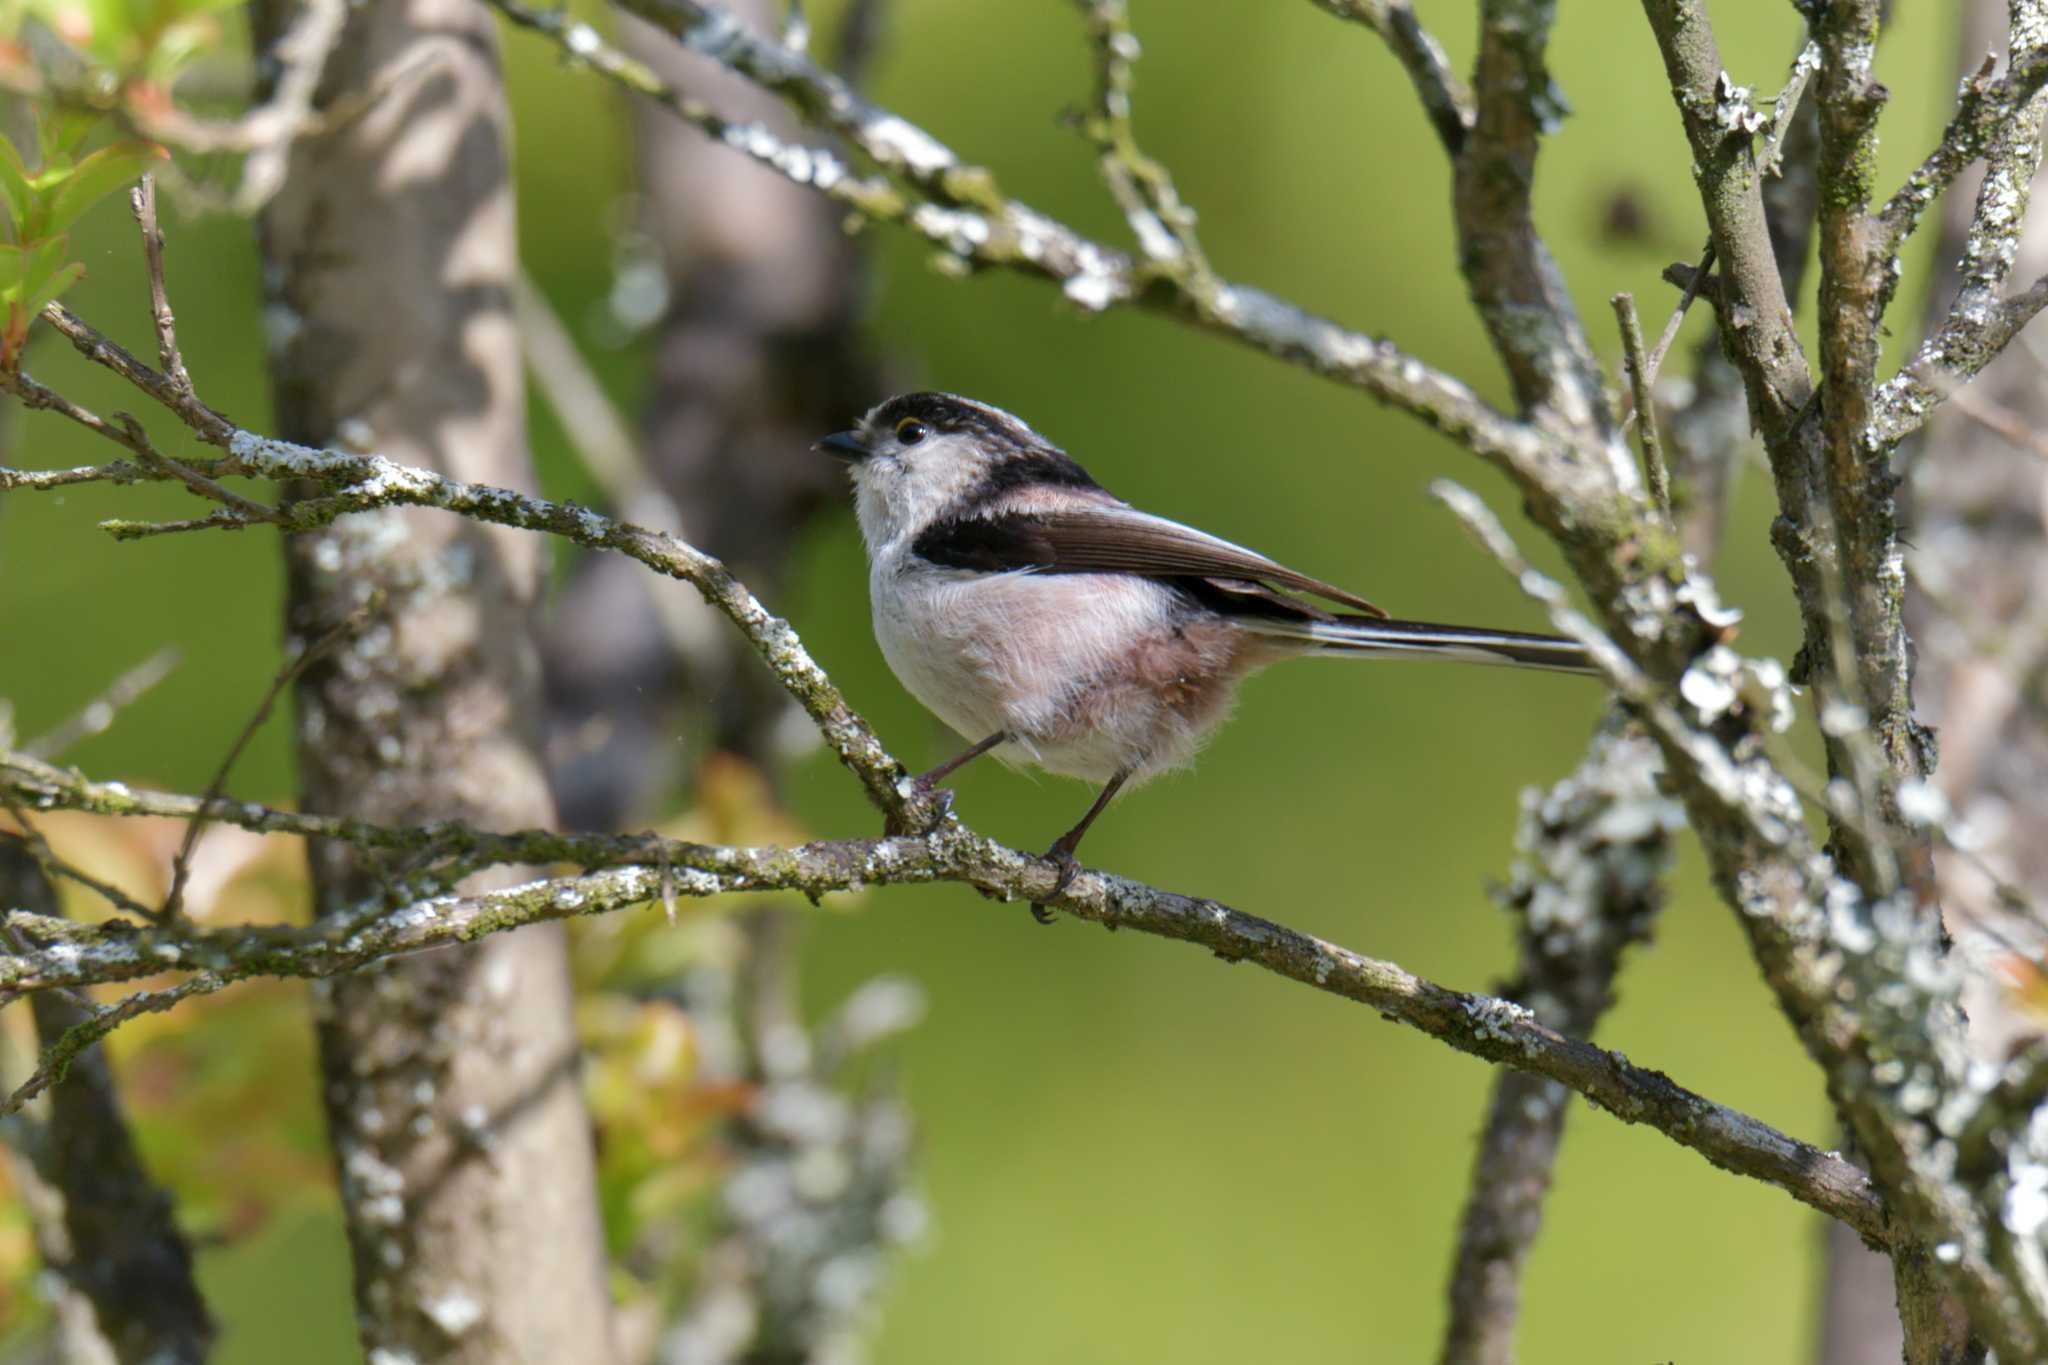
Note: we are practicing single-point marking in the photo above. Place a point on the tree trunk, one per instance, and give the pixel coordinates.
(120, 1270)
(1979, 570)
(451, 1087)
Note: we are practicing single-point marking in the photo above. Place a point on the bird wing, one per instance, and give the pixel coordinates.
(1119, 540)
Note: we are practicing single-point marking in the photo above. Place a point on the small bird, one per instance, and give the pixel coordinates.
(1052, 623)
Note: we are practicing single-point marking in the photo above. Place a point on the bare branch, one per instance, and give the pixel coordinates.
(1719, 124)
(181, 864)
(209, 425)
(1515, 281)
(1639, 380)
(143, 200)
(1444, 97)
(98, 715)
(1143, 188)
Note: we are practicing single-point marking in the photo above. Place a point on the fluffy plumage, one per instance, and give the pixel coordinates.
(1013, 595)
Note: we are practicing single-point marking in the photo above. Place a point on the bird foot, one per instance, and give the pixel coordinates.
(1062, 857)
(925, 811)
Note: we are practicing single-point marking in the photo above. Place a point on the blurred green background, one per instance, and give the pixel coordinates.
(1134, 1152)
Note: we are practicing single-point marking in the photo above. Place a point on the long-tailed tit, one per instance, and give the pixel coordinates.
(1052, 623)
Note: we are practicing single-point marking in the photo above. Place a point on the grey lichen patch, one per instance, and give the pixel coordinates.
(1498, 1021)
(1592, 850)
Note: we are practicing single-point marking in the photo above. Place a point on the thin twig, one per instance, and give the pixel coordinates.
(40, 398)
(1984, 108)
(143, 201)
(1691, 291)
(98, 714)
(95, 346)
(1142, 186)
(181, 865)
(59, 1055)
(1444, 97)
(1999, 420)
(1769, 162)
(1633, 364)
(55, 868)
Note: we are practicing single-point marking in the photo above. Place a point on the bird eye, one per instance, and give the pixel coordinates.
(910, 431)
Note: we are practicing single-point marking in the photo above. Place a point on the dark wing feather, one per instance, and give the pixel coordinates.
(1119, 540)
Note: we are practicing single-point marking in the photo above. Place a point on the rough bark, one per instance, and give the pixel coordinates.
(1980, 573)
(458, 1128)
(121, 1271)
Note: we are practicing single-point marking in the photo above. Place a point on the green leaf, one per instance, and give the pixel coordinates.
(25, 270)
(106, 170)
(178, 45)
(59, 281)
(59, 131)
(187, 8)
(14, 186)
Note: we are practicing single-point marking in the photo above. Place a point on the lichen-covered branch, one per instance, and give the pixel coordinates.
(356, 483)
(1593, 850)
(59, 953)
(959, 208)
(1514, 280)
(1664, 613)
(1163, 224)
(1856, 651)
(2002, 122)
(351, 482)
(1859, 970)
(1985, 110)
(1720, 126)
(1863, 978)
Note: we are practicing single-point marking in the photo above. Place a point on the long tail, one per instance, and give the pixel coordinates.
(1362, 637)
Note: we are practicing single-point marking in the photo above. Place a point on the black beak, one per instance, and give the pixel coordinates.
(843, 445)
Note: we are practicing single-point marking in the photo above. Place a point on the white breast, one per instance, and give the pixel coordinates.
(988, 652)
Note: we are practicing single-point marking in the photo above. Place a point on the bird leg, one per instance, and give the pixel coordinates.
(1062, 851)
(931, 779)
(929, 803)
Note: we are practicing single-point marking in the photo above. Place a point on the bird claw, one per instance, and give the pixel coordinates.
(1063, 858)
(925, 811)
